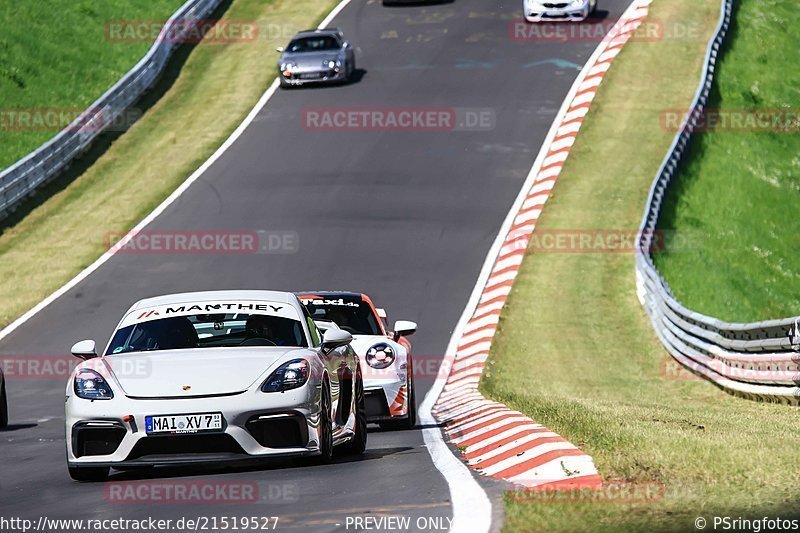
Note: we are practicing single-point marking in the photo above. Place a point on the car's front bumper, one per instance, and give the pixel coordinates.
(256, 425)
(308, 77)
(534, 13)
(386, 398)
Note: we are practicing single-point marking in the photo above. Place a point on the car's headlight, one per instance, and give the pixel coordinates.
(288, 376)
(380, 355)
(288, 67)
(90, 385)
(331, 64)
(578, 3)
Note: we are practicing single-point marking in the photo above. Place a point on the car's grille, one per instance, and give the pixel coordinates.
(185, 445)
(90, 438)
(284, 430)
(555, 5)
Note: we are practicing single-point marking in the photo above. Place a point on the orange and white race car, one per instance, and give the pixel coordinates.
(385, 357)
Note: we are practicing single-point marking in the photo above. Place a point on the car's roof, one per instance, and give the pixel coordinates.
(206, 296)
(316, 33)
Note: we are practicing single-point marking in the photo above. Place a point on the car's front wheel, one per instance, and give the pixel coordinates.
(88, 473)
(358, 445)
(325, 432)
(3, 407)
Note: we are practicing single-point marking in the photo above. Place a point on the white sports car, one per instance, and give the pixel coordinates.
(558, 10)
(385, 357)
(213, 376)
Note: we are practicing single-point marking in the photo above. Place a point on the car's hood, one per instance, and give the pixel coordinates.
(197, 372)
(310, 59)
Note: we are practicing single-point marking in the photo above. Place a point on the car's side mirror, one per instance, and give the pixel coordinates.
(335, 338)
(84, 350)
(280, 49)
(404, 328)
(346, 44)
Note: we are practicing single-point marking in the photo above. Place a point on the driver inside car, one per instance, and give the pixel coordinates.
(259, 328)
(339, 317)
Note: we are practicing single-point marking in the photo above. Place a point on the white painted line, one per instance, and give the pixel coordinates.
(472, 510)
(333, 14)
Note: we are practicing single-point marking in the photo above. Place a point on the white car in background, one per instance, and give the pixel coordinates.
(558, 10)
(209, 377)
(385, 357)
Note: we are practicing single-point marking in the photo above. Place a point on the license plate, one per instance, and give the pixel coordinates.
(311, 76)
(180, 424)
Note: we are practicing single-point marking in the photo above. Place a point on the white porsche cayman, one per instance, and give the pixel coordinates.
(385, 357)
(212, 376)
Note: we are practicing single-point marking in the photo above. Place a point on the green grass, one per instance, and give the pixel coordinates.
(58, 238)
(54, 55)
(576, 351)
(738, 194)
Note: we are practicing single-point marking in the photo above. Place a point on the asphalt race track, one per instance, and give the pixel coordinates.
(406, 216)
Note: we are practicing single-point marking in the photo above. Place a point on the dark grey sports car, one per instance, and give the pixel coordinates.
(316, 56)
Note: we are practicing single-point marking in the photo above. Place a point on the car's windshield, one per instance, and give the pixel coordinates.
(313, 44)
(208, 331)
(351, 314)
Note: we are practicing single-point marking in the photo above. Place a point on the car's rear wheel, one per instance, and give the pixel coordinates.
(358, 445)
(3, 406)
(325, 428)
(88, 473)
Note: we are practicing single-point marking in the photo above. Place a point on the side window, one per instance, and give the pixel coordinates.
(312, 328)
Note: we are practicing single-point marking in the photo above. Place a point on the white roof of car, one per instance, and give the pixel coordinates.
(206, 296)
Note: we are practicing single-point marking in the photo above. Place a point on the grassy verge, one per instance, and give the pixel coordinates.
(739, 191)
(55, 55)
(576, 352)
(67, 232)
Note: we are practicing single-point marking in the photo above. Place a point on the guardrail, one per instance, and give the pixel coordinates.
(46, 162)
(758, 360)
